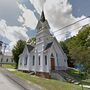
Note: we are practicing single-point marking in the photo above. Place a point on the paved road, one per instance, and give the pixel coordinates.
(9, 81)
(7, 84)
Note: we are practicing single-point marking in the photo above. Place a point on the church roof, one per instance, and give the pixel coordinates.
(30, 48)
(48, 45)
(42, 17)
(42, 23)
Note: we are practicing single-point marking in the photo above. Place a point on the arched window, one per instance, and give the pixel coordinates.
(7, 60)
(11, 60)
(52, 56)
(1, 59)
(25, 61)
(45, 59)
(33, 60)
(39, 60)
(21, 61)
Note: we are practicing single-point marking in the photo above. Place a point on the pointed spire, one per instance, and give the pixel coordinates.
(42, 17)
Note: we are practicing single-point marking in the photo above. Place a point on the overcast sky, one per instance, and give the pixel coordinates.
(18, 18)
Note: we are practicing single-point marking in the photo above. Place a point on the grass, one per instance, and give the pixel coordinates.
(73, 71)
(48, 84)
(86, 81)
(78, 74)
(12, 66)
(81, 76)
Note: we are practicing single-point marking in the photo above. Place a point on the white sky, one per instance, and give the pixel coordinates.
(16, 17)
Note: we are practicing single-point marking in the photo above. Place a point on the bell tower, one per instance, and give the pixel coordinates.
(42, 38)
(42, 17)
(43, 34)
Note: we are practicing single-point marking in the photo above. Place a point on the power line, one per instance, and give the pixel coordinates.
(69, 25)
(72, 29)
(64, 32)
(64, 27)
(72, 24)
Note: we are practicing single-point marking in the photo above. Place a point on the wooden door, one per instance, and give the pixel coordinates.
(52, 64)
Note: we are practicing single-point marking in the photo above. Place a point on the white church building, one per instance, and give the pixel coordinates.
(46, 55)
(5, 58)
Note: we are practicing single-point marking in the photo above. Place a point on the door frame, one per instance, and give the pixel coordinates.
(52, 62)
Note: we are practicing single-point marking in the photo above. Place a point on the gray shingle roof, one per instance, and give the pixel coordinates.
(48, 45)
(42, 17)
(30, 48)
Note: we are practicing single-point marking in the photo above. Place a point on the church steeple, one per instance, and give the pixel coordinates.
(42, 23)
(42, 17)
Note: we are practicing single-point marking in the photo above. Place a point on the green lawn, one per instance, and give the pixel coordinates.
(86, 81)
(81, 76)
(48, 84)
(12, 66)
(73, 71)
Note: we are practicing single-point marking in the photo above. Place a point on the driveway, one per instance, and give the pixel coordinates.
(8, 81)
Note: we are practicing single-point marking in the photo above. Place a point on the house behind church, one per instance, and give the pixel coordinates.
(46, 55)
(5, 58)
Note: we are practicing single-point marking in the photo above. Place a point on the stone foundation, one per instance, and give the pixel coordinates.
(43, 74)
(40, 74)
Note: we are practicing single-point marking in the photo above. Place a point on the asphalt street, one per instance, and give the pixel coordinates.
(7, 84)
(9, 81)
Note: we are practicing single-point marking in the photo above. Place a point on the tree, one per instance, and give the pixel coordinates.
(79, 47)
(32, 41)
(81, 55)
(66, 50)
(17, 50)
(64, 47)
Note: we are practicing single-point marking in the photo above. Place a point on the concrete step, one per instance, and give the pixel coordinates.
(32, 73)
(67, 77)
(76, 83)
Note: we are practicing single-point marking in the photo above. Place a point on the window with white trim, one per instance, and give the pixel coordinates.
(21, 61)
(45, 59)
(25, 61)
(39, 59)
(33, 60)
(1, 59)
(7, 60)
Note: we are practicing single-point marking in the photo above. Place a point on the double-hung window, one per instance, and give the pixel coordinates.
(33, 60)
(45, 59)
(25, 61)
(7, 60)
(39, 60)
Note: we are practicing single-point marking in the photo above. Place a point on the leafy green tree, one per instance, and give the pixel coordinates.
(79, 47)
(83, 36)
(66, 50)
(32, 41)
(64, 47)
(81, 55)
(17, 50)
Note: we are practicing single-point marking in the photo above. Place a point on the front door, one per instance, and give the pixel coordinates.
(52, 64)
